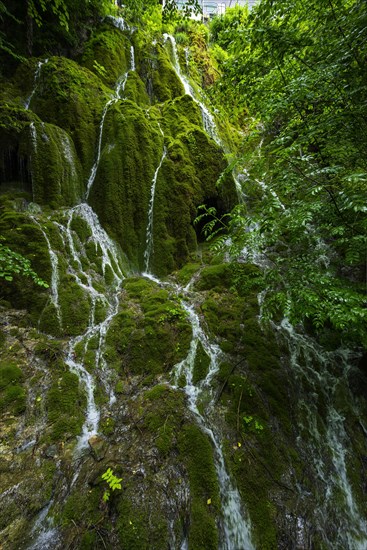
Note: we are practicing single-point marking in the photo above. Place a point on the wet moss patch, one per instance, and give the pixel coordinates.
(65, 405)
(197, 454)
(12, 393)
(150, 334)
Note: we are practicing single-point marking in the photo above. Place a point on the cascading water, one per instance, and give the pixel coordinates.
(118, 22)
(321, 377)
(236, 528)
(108, 251)
(236, 534)
(119, 89)
(54, 273)
(35, 83)
(149, 232)
(208, 121)
(132, 59)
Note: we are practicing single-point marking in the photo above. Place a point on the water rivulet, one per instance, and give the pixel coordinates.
(147, 354)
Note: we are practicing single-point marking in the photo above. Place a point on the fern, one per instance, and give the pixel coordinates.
(112, 481)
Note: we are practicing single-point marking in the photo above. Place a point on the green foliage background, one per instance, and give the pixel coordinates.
(294, 79)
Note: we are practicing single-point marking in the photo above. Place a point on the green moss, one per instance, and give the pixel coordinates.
(197, 454)
(163, 416)
(157, 392)
(65, 407)
(179, 115)
(135, 90)
(56, 171)
(110, 49)
(187, 272)
(72, 98)
(75, 307)
(83, 509)
(215, 276)
(162, 78)
(131, 153)
(81, 228)
(9, 374)
(13, 399)
(132, 528)
(149, 336)
(26, 238)
(201, 365)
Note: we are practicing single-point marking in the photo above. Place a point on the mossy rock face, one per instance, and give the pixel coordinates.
(150, 334)
(107, 54)
(132, 148)
(65, 407)
(179, 115)
(156, 70)
(215, 276)
(12, 393)
(71, 97)
(25, 237)
(197, 454)
(186, 180)
(15, 148)
(135, 90)
(201, 366)
(161, 416)
(55, 168)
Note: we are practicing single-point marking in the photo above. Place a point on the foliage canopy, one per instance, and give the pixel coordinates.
(295, 76)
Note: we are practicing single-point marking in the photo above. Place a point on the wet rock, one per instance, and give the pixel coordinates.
(98, 446)
(51, 451)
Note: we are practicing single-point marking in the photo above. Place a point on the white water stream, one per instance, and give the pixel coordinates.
(208, 120)
(119, 89)
(322, 378)
(54, 287)
(108, 254)
(35, 82)
(236, 525)
(149, 231)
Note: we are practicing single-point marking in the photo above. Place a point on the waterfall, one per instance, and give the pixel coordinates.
(132, 59)
(236, 529)
(35, 82)
(119, 89)
(207, 119)
(108, 254)
(118, 22)
(93, 173)
(149, 232)
(236, 526)
(320, 376)
(54, 273)
(65, 140)
(108, 251)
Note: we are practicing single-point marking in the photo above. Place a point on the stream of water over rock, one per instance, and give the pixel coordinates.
(325, 400)
(35, 82)
(319, 375)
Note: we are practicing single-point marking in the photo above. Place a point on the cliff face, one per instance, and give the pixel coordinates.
(225, 432)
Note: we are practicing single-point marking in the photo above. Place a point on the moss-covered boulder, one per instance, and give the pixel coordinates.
(107, 54)
(71, 97)
(132, 148)
(156, 70)
(150, 334)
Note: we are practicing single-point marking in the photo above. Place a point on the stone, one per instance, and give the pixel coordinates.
(98, 446)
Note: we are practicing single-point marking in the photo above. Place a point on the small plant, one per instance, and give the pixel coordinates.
(112, 481)
(253, 424)
(100, 69)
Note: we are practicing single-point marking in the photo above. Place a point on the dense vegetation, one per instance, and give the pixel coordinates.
(111, 378)
(294, 78)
